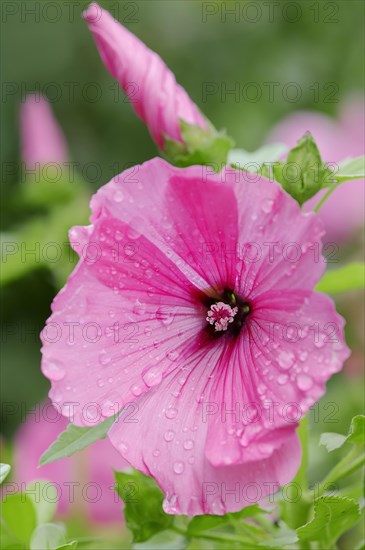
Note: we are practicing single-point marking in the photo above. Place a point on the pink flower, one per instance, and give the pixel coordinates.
(208, 411)
(343, 212)
(151, 87)
(84, 482)
(42, 139)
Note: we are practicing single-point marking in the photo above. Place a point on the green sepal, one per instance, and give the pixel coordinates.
(303, 173)
(199, 147)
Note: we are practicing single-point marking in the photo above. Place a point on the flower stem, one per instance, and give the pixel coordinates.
(348, 465)
(209, 536)
(326, 195)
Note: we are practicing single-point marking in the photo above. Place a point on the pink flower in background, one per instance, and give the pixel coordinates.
(81, 479)
(165, 251)
(343, 212)
(151, 87)
(42, 139)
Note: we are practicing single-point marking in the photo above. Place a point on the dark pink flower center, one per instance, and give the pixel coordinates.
(227, 314)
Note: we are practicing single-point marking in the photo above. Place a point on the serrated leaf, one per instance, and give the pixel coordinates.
(74, 439)
(349, 277)
(143, 499)
(48, 536)
(356, 435)
(207, 521)
(20, 516)
(333, 516)
(4, 472)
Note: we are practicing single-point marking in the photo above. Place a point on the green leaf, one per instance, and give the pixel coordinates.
(266, 154)
(43, 494)
(48, 536)
(143, 499)
(206, 522)
(199, 147)
(350, 169)
(304, 173)
(68, 546)
(349, 277)
(356, 435)
(4, 472)
(75, 439)
(20, 516)
(333, 516)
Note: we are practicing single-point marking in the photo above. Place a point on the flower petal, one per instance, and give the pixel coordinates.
(166, 440)
(192, 218)
(279, 245)
(154, 94)
(122, 321)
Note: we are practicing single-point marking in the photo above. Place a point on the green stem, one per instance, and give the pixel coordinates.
(206, 536)
(326, 195)
(344, 468)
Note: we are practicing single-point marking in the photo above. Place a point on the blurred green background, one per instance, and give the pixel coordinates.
(224, 43)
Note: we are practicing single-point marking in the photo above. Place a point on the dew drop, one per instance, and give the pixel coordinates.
(286, 359)
(179, 467)
(54, 370)
(136, 390)
(171, 413)
(172, 355)
(169, 435)
(267, 206)
(188, 444)
(123, 448)
(304, 382)
(282, 379)
(104, 359)
(118, 196)
(152, 376)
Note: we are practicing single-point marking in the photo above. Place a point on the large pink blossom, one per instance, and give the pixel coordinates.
(151, 87)
(210, 408)
(84, 482)
(343, 212)
(42, 138)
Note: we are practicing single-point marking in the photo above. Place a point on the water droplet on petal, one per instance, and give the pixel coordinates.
(188, 444)
(54, 370)
(172, 355)
(282, 379)
(136, 390)
(152, 376)
(171, 413)
(118, 196)
(179, 467)
(218, 507)
(123, 448)
(267, 206)
(169, 435)
(286, 359)
(170, 504)
(304, 382)
(139, 308)
(104, 358)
